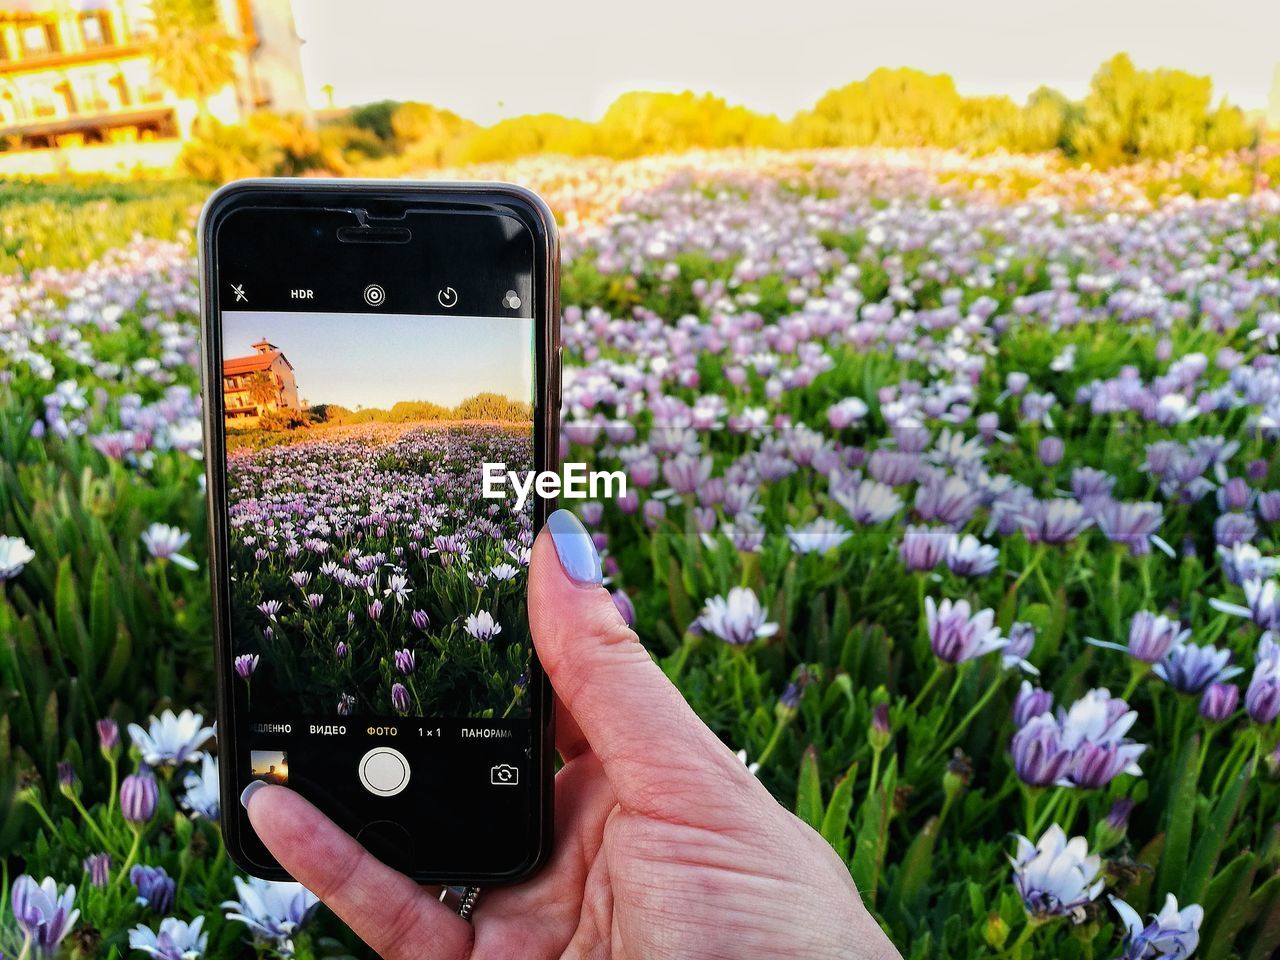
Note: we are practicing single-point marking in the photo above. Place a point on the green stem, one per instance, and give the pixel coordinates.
(682, 655)
(133, 853)
(1032, 926)
(964, 723)
(93, 824)
(875, 773)
(773, 742)
(115, 785)
(39, 809)
(928, 685)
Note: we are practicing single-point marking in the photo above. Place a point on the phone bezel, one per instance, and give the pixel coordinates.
(458, 197)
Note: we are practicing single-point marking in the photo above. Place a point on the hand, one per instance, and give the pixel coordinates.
(665, 845)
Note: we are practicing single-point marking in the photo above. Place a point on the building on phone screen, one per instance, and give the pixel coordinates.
(260, 383)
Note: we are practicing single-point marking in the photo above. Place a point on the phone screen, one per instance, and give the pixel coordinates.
(379, 648)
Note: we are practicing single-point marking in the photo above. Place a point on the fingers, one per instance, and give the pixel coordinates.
(660, 758)
(390, 912)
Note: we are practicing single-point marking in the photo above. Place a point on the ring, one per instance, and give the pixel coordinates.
(462, 900)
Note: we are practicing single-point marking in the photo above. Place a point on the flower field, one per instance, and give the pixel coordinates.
(374, 571)
(954, 502)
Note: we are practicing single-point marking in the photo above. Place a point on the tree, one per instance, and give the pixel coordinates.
(263, 389)
(192, 55)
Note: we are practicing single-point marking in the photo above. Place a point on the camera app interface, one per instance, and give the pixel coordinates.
(370, 577)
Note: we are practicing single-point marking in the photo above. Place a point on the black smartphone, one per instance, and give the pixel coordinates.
(368, 347)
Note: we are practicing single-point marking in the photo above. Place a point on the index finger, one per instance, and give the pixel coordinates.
(389, 912)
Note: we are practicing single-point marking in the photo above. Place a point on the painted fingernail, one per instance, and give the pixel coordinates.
(253, 787)
(578, 556)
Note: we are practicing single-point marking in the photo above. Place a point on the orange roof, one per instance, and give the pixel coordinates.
(258, 361)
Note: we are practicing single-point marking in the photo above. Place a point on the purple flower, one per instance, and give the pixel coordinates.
(1262, 699)
(340, 650)
(1022, 639)
(967, 556)
(44, 914)
(375, 610)
(245, 664)
(155, 888)
(1134, 524)
(315, 601)
(923, 548)
(1234, 528)
(139, 794)
(270, 609)
(1152, 636)
(420, 619)
(956, 635)
(1030, 702)
(1189, 668)
(1219, 701)
(1269, 506)
(400, 698)
(947, 500)
(346, 703)
(98, 866)
(405, 661)
(66, 774)
(1039, 757)
(1051, 451)
(1054, 521)
(1172, 933)
(482, 626)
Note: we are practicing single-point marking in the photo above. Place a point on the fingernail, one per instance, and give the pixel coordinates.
(253, 787)
(578, 556)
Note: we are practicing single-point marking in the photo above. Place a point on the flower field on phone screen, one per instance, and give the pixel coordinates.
(371, 577)
(953, 505)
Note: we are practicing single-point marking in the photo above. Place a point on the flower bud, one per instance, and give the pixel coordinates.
(958, 774)
(880, 733)
(108, 737)
(139, 794)
(996, 931)
(98, 866)
(1219, 701)
(1112, 828)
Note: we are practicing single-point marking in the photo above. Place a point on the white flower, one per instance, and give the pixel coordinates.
(482, 626)
(820, 536)
(1056, 877)
(968, 556)
(398, 587)
(752, 768)
(272, 909)
(869, 502)
(172, 739)
(1065, 361)
(163, 542)
(14, 555)
(1173, 933)
(175, 940)
(42, 913)
(504, 571)
(957, 635)
(202, 789)
(739, 619)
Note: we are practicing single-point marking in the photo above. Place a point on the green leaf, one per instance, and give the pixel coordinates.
(1213, 837)
(1226, 907)
(1265, 903)
(1180, 813)
(809, 789)
(835, 824)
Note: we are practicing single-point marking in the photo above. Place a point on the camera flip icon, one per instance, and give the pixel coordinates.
(504, 775)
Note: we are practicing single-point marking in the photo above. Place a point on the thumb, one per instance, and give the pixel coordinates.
(659, 757)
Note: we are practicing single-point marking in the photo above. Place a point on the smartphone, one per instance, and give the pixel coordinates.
(367, 348)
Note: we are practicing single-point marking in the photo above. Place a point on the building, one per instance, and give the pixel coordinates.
(260, 382)
(78, 73)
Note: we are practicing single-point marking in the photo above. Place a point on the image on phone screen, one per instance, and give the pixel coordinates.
(369, 577)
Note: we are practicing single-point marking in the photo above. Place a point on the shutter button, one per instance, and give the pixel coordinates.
(384, 771)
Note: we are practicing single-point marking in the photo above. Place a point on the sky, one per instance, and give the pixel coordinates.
(375, 360)
(501, 58)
